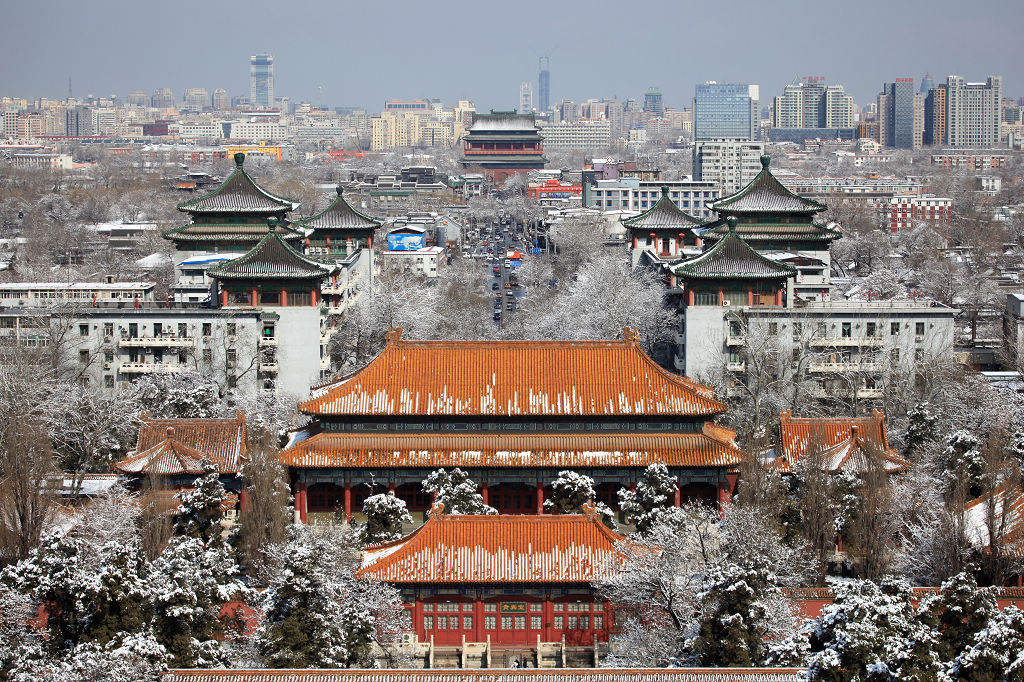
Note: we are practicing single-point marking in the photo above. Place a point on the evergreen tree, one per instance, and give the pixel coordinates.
(922, 427)
(199, 512)
(963, 464)
(315, 614)
(385, 514)
(570, 491)
(736, 608)
(957, 614)
(996, 653)
(456, 491)
(646, 506)
(190, 583)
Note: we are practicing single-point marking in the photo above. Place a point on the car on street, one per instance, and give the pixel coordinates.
(508, 263)
(495, 286)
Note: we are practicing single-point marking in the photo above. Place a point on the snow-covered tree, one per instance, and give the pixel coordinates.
(128, 658)
(190, 583)
(316, 614)
(268, 517)
(570, 491)
(199, 512)
(996, 652)
(385, 513)
(871, 632)
(184, 395)
(646, 507)
(454, 489)
(957, 613)
(741, 611)
(922, 426)
(20, 642)
(962, 462)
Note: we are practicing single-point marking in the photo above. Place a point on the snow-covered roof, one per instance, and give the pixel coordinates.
(209, 258)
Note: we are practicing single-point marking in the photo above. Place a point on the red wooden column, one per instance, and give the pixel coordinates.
(549, 620)
(778, 297)
(255, 298)
(478, 621)
(750, 296)
(300, 502)
(677, 498)
(483, 493)
(721, 297)
(348, 502)
(223, 298)
(540, 497)
(689, 297)
(284, 298)
(243, 500)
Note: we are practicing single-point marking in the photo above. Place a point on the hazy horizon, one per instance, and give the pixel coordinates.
(362, 54)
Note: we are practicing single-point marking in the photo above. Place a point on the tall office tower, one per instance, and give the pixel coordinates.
(221, 101)
(896, 116)
(973, 111)
(838, 108)
(935, 113)
(726, 110)
(162, 98)
(196, 99)
(927, 83)
(567, 111)
(261, 80)
(137, 98)
(544, 83)
(525, 98)
(78, 122)
(653, 102)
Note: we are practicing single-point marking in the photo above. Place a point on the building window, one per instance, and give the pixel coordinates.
(428, 607)
(108, 356)
(83, 357)
(872, 329)
(847, 330)
(559, 622)
(918, 354)
(599, 622)
(83, 330)
(207, 355)
(428, 622)
(490, 622)
(108, 329)
(584, 622)
(207, 329)
(232, 328)
(536, 607)
(108, 380)
(520, 622)
(894, 328)
(574, 622)
(919, 329)
(507, 622)
(467, 622)
(773, 328)
(535, 622)
(490, 607)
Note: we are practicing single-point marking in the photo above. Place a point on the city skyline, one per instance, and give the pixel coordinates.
(310, 61)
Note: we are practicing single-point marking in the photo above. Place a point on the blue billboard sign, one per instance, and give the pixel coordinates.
(515, 263)
(405, 242)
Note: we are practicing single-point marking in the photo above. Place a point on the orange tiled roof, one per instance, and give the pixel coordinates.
(494, 675)
(504, 378)
(847, 441)
(1008, 513)
(176, 446)
(496, 549)
(712, 447)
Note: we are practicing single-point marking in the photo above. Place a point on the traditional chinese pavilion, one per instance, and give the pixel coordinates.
(512, 414)
(846, 443)
(662, 233)
(775, 221)
(233, 217)
(338, 231)
(503, 143)
(513, 582)
(172, 452)
(733, 271)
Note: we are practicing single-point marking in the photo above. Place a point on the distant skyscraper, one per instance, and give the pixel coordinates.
(935, 116)
(525, 98)
(261, 80)
(137, 98)
(653, 102)
(974, 111)
(927, 83)
(163, 98)
(196, 99)
(897, 115)
(726, 110)
(221, 101)
(544, 84)
(567, 111)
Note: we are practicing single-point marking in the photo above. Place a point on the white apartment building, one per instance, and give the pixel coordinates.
(259, 130)
(728, 163)
(427, 262)
(582, 135)
(634, 195)
(974, 111)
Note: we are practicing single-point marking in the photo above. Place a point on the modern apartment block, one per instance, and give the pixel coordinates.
(974, 111)
(809, 103)
(583, 135)
(726, 110)
(632, 194)
(730, 164)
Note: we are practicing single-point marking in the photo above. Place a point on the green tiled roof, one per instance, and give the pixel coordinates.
(340, 216)
(765, 194)
(238, 194)
(272, 258)
(664, 215)
(754, 231)
(732, 258)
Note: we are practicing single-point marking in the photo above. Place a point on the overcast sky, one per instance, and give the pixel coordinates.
(362, 53)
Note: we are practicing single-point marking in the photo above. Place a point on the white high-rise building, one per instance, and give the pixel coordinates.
(730, 163)
(974, 111)
(526, 98)
(261, 80)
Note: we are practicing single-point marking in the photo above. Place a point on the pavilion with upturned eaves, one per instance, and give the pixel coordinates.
(503, 143)
(663, 233)
(233, 217)
(778, 223)
(512, 414)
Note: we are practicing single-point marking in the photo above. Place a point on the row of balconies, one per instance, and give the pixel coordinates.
(148, 367)
(156, 342)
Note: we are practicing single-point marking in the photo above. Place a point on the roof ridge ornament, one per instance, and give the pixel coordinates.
(239, 159)
(340, 190)
(664, 190)
(437, 511)
(630, 335)
(393, 335)
(765, 161)
(272, 223)
(589, 510)
(732, 222)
